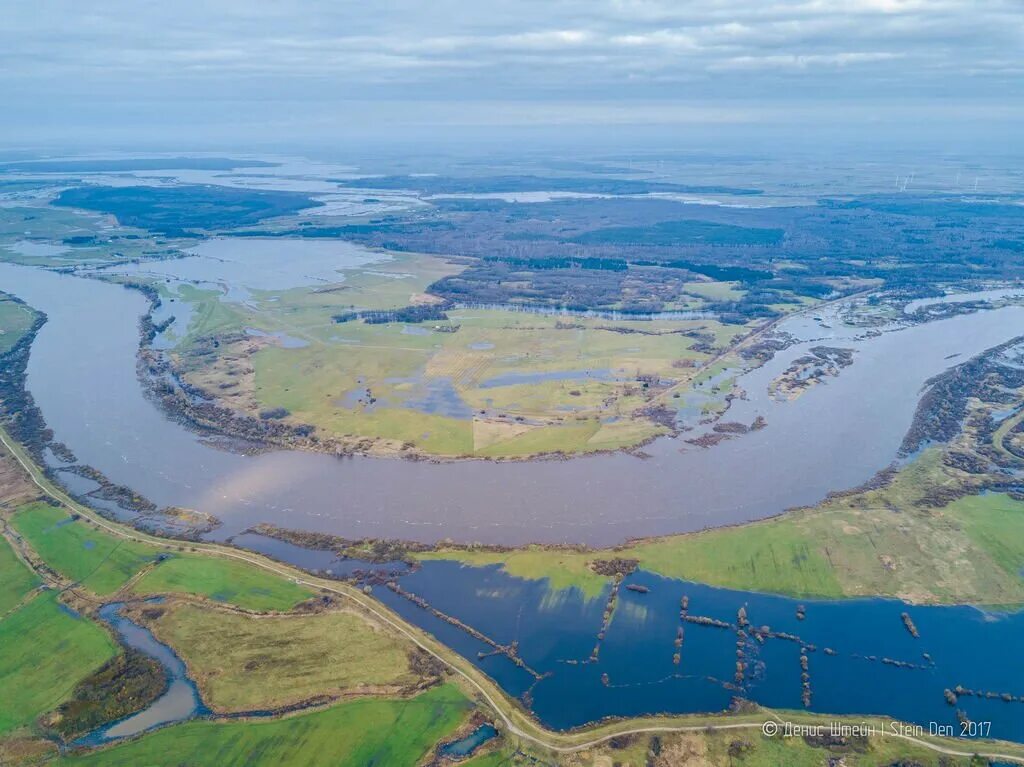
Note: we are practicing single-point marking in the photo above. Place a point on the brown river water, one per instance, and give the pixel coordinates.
(83, 376)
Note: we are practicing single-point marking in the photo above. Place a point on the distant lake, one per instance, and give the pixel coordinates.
(241, 264)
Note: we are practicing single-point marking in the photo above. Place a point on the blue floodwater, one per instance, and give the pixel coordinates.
(967, 646)
(463, 747)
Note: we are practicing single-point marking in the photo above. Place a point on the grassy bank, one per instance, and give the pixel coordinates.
(104, 563)
(242, 663)
(16, 319)
(237, 583)
(722, 748)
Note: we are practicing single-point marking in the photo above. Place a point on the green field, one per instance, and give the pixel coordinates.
(774, 557)
(99, 561)
(995, 523)
(222, 580)
(210, 315)
(396, 733)
(716, 291)
(493, 759)
(16, 580)
(503, 384)
(15, 320)
(244, 663)
(770, 557)
(45, 652)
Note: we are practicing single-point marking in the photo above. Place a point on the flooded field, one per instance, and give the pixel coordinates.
(82, 373)
(253, 263)
(861, 658)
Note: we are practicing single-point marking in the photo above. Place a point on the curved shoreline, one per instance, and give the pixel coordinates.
(599, 503)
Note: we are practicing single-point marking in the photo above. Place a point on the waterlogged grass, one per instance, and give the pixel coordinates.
(323, 385)
(396, 733)
(222, 580)
(562, 568)
(996, 524)
(44, 651)
(16, 580)
(770, 556)
(99, 561)
(244, 663)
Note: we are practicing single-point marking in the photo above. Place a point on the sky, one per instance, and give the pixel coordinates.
(217, 72)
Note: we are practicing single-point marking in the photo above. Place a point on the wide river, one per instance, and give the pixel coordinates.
(82, 372)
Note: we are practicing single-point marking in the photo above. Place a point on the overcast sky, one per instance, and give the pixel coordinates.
(140, 71)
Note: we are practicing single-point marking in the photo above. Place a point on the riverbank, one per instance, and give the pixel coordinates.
(113, 427)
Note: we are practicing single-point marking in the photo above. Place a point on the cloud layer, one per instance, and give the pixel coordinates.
(707, 54)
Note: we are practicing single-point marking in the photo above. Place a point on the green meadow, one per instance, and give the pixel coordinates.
(79, 551)
(396, 733)
(46, 650)
(222, 580)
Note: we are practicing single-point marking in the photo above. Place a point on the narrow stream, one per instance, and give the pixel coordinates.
(180, 701)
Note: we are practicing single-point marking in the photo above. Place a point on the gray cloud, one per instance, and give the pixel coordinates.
(741, 58)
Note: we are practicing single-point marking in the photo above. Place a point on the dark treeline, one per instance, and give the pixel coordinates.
(943, 407)
(177, 210)
(407, 314)
(21, 417)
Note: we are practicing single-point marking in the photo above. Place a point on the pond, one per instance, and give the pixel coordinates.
(463, 747)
